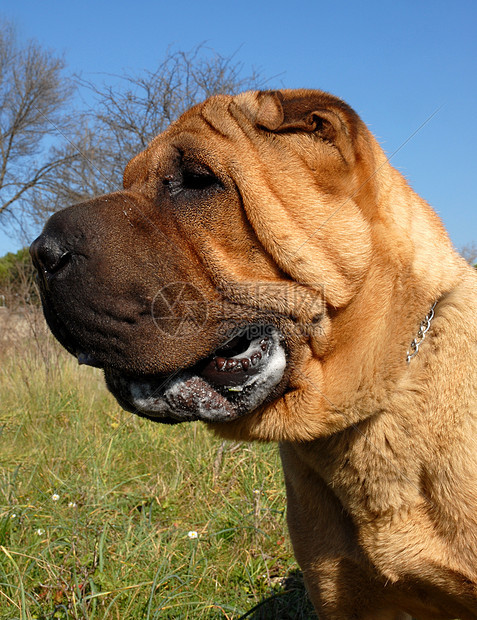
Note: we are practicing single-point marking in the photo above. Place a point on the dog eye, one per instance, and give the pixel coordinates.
(199, 179)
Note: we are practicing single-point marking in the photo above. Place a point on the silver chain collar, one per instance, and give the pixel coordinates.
(421, 334)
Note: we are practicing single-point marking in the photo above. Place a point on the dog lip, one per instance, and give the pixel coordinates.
(233, 371)
(203, 392)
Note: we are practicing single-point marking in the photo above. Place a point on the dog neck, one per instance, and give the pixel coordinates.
(424, 327)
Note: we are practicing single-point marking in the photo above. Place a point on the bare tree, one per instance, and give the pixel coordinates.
(146, 104)
(469, 252)
(33, 95)
(128, 114)
(82, 172)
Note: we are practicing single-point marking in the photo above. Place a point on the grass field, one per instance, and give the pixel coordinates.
(105, 515)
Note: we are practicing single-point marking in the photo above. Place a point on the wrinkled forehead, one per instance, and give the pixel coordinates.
(222, 116)
(218, 121)
(205, 132)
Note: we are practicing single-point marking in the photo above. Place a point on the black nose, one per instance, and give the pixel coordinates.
(48, 254)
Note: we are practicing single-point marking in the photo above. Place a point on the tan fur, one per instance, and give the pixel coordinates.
(315, 228)
(383, 503)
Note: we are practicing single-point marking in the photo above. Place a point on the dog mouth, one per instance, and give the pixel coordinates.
(234, 380)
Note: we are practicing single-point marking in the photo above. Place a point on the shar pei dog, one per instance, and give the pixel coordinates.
(267, 271)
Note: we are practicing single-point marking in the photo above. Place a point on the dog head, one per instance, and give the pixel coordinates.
(211, 287)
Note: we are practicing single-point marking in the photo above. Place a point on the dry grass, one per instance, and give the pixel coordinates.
(96, 505)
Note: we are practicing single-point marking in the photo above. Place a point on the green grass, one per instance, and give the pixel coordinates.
(96, 506)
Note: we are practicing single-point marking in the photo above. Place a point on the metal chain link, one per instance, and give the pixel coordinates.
(421, 334)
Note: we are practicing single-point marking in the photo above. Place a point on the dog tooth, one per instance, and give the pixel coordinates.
(255, 358)
(245, 363)
(230, 364)
(220, 362)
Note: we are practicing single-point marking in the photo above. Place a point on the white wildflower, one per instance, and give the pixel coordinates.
(55, 497)
(72, 505)
(192, 535)
(40, 531)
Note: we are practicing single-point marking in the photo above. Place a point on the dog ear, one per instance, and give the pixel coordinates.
(314, 112)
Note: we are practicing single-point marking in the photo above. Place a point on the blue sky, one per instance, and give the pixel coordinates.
(408, 68)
